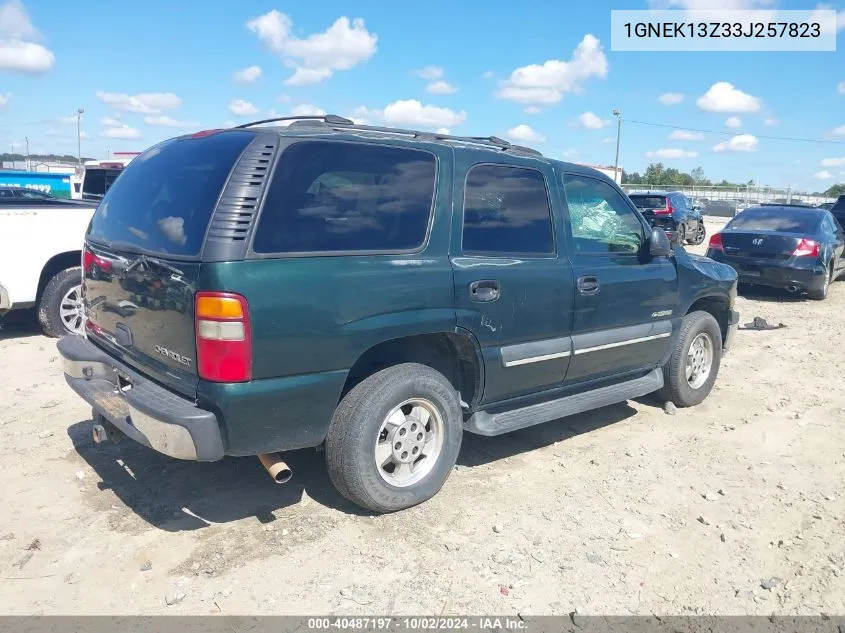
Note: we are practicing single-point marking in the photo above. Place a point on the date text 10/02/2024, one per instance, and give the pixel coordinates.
(417, 623)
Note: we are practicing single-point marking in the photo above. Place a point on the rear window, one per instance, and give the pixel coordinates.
(97, 181)
(163, 200)
(839, 205)
(347, 197)
(649, 202)
(782, 221)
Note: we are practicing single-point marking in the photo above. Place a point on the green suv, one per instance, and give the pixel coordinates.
(377, 292)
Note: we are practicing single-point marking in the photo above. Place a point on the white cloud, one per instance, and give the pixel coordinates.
(740, 143)
(671, 153)
(442, 130)
(685, 135)
(487, 74)
(840, 87)
(532, 110)
(815, 17)
(166, 121)
(723, 97)
(430, 73)
(18, 53)
(525, 134)
(109, 121)
(412, 112)
(770, 121)
(247, 75)
(4, 99)
(239, 107)
(734, 121)
(833, 162)
(440, 88)
(838, 131)
(342, 46)
(823, 175)
(546, 83)
(671, 98)
(306, 109)
(144, 103)
(121, 131)
(592, 121)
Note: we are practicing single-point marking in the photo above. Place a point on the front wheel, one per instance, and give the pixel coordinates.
(394, 438)
(692, 369)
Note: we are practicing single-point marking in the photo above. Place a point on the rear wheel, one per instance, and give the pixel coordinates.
(394, 438)
(699, 235)
(681, 234)
(821, 293)
(60, 307)
(692, 369)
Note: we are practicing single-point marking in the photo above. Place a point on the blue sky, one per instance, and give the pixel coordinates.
(539, 72)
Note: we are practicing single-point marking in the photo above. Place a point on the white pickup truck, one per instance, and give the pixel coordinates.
(40, 261)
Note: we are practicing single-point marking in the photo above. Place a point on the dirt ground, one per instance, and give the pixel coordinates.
(732, 507)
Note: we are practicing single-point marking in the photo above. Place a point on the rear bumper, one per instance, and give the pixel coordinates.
(143, 410)
(776, 275)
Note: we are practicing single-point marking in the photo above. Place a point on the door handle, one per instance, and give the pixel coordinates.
(588, 285)
(484, 290)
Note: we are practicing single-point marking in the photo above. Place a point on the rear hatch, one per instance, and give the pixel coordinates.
(648, 204)
(141, 261)
(766, 245)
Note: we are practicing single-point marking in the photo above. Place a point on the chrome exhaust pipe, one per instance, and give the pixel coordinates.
(276, 467)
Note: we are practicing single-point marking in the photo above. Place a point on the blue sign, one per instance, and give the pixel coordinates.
(55, 184)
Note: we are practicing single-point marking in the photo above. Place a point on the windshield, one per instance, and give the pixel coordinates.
(163, 201)
(779, 220)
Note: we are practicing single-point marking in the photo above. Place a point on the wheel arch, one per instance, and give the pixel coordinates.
(716, 305)
(456, 355)
(55, 265)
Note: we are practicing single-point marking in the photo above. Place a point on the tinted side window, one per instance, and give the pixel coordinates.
(601, 220)
(344, 197)
(506, 211)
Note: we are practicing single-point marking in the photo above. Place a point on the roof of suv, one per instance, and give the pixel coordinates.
(330, 124)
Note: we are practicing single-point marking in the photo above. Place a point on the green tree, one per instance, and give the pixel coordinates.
(835, 191)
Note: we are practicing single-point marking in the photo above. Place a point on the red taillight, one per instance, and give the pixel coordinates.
(205, 133)
(89, 260)
(716, 242)
(668, 210)
(224, 345)
(806, 248)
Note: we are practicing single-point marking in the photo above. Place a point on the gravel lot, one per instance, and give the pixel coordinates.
(732, 507)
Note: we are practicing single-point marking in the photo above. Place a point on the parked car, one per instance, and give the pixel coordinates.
(838, 210)
(377, 292)
(674, 213)
(17, 193)
(40, 260)
(796, 248)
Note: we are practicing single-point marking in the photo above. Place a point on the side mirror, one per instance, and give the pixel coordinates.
(659, 244)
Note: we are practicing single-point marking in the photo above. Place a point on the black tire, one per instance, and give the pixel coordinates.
(700, 235)
(676, 388)
(49, 305)
(355, 427)
(821, 293)
(680, 234)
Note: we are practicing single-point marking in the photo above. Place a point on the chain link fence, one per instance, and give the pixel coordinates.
(715, 200)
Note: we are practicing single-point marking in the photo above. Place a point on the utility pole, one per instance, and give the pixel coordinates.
(618, 115)
(28, 163)
(79, 114)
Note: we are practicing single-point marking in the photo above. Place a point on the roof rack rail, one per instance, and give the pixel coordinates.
(339, 122)
(326, 118)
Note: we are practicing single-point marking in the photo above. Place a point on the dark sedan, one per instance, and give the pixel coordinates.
(796, 248)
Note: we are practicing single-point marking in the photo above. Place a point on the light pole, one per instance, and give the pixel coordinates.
(79, 114)
(618, 115)
(28, 163)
